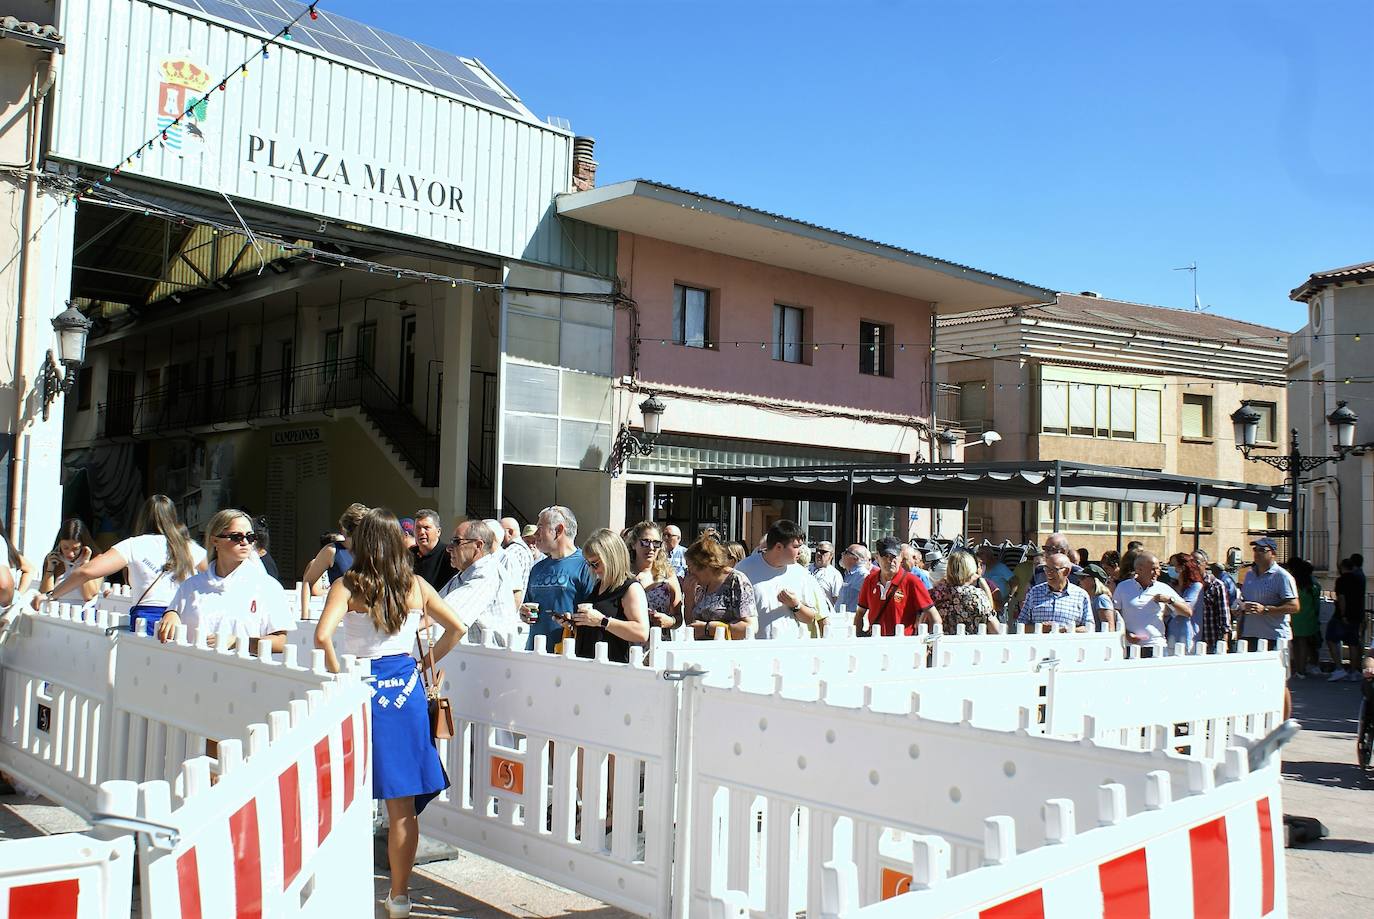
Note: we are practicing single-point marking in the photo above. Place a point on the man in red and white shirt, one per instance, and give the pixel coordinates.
(892, 597)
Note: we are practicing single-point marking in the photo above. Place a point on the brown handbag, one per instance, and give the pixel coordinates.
(440, 710)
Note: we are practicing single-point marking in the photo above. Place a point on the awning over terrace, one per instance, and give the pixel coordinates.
(949, 486)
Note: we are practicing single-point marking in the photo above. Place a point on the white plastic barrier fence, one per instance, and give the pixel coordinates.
(72, 876)
(1198, 703)
(563, 768)
(1213, 855)
(56, 674)
(286, 830)
(780, 785)
(83, 702)
(851, 657)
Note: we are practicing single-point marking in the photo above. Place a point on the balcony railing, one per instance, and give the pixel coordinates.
(279, 394)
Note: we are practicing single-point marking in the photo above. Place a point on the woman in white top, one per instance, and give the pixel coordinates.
(159, 558)
(72, 547)
(378, 604)
(234, 599)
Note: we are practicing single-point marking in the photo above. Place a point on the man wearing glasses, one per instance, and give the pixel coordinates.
(1028, 573)
(1055, 604)
(823, 569)
(856, 565)
(479, 593)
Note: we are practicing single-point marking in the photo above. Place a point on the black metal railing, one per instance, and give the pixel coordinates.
(346, 383)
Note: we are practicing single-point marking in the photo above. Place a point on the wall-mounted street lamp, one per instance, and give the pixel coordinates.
(1342, 423)
(628, 444)
(55, 378)
(947, 440)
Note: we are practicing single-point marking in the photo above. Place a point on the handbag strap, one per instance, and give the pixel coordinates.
(147, 590)
(426, 659)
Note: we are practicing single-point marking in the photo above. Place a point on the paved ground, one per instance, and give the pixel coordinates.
(1333, 876)
(475, 888)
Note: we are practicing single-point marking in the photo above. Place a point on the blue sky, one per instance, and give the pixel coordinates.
(1089, 145)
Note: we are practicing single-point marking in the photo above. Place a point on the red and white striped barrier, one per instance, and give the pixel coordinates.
(286, 829)
(1212, 856)
(71, 876)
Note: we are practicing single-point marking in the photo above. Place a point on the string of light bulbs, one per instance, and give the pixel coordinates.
(263, 53)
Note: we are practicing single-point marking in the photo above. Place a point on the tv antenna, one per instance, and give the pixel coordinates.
(1192, 268)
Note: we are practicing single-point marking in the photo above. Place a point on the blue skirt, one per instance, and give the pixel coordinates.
(405, 762)
(143, 620)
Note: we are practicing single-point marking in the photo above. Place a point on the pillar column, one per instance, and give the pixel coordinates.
(456, 401)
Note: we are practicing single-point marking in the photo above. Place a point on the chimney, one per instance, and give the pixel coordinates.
(583, 166)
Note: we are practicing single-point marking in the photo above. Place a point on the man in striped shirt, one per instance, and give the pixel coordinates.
(1055, 604)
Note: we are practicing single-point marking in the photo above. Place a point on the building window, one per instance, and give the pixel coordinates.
(367, 344)
(875, 349)
(1093, 410)
(691, 316)
(973, 405)
(787, 334)
(1185, 518)
(1267, 432)
(1197, 417)
(1100, 517)
(331, 355)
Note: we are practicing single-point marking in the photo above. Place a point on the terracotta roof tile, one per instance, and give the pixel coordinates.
(1320, 279)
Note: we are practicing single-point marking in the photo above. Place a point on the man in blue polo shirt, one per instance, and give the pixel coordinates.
(1269, 596)
(557, 582)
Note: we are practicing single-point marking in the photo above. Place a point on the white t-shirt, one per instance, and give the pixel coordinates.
(774, 619)
(146, 555)
(1143, 610)
(248, 602)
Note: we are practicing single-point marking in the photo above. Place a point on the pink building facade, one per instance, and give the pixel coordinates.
(772, 343)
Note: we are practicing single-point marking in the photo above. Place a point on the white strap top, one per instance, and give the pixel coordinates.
(362, 639)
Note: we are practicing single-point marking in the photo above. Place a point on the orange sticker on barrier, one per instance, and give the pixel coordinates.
(894, 883)
(508, 775)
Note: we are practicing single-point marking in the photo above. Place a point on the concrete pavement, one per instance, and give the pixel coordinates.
(1331, 877)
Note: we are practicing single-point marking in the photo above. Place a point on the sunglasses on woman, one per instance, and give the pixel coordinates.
(239, 539)
(651, 543)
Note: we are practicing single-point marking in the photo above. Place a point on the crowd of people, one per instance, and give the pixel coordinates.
(399, 594)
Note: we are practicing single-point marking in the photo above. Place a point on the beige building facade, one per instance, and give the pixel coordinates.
(1091, 380)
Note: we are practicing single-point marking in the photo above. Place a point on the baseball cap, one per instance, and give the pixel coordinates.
(408, 525)
(889, 545)
(1097, 571)
(529, 530)
(1266, 543)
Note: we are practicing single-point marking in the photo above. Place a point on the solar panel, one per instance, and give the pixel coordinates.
(360, 43)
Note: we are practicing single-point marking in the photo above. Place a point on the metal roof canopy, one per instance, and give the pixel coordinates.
(948, 486)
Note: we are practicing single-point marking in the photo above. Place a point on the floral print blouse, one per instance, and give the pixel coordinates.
(967, 605)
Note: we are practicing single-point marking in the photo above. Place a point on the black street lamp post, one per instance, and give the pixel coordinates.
(1342, 422)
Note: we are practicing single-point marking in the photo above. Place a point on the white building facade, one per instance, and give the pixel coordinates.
(1331, 361)
(299, 254)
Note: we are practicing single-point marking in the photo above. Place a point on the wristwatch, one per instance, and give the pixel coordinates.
(796, 609)
(605, 620)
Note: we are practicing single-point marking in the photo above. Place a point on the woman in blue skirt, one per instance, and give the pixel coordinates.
(378, 605)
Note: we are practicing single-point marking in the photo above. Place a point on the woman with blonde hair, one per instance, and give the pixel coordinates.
(160, 557)
(379, 603)
(234, 599)
(715, 593)
(960, 599)
(618, 612)
(650, 566)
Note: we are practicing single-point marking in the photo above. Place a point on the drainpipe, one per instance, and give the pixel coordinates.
(43, 78)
